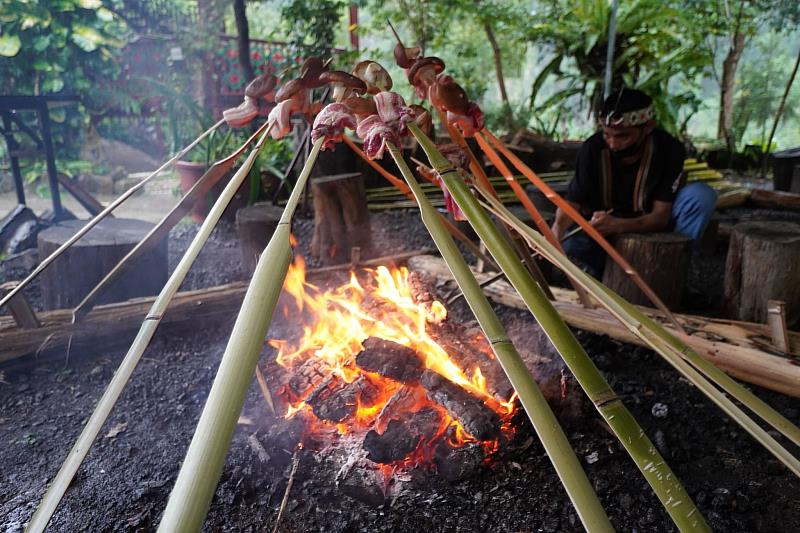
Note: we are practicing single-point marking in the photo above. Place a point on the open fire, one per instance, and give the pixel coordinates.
(374, 362)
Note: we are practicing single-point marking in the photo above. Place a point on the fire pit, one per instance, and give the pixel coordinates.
(372, 375)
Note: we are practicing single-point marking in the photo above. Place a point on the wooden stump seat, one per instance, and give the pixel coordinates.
(763, 264)
(255, 225)
(70, 277)
(341, 218)
(661, 259)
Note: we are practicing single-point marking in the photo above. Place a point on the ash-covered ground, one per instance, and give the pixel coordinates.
(124, 483)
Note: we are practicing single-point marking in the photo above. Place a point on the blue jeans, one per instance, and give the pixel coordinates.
(693, 207)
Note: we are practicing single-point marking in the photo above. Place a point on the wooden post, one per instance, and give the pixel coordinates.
(341, 218)
(662, 260)
(763, 263)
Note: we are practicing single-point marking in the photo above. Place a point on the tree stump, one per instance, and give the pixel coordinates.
(341, 218)
(85, 263)
(255, 225)
(763, 264)
(662, 261)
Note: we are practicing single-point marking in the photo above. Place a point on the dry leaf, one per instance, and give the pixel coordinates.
(116, 430)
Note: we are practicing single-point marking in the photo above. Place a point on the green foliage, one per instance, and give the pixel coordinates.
(655, 44)
(311, 24)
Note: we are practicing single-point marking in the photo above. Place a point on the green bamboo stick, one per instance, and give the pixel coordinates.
(677, 353)
(63, 478)
(197, 480)
(544, 421)
(670, 492)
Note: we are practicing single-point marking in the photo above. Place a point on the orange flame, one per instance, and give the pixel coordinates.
(335, 322)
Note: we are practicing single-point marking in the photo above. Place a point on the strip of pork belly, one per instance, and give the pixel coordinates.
(331, 122)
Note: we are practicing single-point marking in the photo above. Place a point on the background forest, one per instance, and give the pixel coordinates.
(716, 68)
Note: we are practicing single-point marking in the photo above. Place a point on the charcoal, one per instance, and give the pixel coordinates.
(455, 464)
(390, 360)
(479, 421)
(401, 437)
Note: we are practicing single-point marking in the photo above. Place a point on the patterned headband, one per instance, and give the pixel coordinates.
(636, 117)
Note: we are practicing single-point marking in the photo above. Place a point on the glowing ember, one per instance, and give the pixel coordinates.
(334, 394)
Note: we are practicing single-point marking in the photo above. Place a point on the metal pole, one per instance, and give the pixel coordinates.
(13, 147)
(44, 118)
(612, 36)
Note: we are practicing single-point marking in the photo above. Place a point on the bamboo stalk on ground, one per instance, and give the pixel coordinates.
(197, 480)
(678, 354)
(544, 422)
(100, 216)
(582, 222)
(162, 229)
(63, 478)
(655, 470)
(403, 188)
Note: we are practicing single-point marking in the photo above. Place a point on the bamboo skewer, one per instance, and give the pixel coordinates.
(655, 470)
(403, 188)
(529, 207)
(683, 358)
(544, 422)
(161, 230)
(582, 222)
(63, 478)
(197, 480)
(100, 216)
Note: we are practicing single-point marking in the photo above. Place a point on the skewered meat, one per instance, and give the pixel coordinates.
(261, 85)
(393, 111)
(470, 122)
(281, 114)
(375, 133)
(243, 114)
(330, 123)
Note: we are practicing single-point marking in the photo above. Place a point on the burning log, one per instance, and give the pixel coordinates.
(306, 377)
(333, 399)
(401, 436)
(365, 482)
(390, 360)
(401, 402)
(479, 421)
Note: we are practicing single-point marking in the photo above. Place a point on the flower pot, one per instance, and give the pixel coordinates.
(189, 174)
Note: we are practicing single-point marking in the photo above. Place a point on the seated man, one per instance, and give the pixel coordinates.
(629, 179)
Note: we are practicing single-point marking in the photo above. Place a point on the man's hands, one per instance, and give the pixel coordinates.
(605, 224)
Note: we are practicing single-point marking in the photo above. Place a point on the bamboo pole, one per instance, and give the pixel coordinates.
(665, 484)
(161, 230)
(197, 480)
(544, 422)
(100, 216)
(63, 478)
(678, 354)
(582, 222)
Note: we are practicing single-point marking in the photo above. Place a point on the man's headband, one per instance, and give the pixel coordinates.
(637, 117)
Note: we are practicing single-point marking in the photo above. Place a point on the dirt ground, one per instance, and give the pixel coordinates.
(124, 483)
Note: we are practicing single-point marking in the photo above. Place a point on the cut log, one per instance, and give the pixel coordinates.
(742, 349)
(80, 267)
(390, 360)
(255, 225)
(341, 218)
(661, 259)
(763, 264)
(775, 199)
(401, 402)
(475, 417)
(306, 377)
(402, 437)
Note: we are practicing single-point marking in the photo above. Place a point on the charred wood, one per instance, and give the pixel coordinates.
(479, 421)
(455, 464)
(390, 360)
(333, 399)
(402, 437)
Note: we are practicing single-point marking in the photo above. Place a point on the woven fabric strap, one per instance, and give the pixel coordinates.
(641, 185)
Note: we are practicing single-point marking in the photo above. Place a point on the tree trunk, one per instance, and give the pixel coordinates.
(243, 38)
(727, 86)
(341, 219)
(255, 225)
(498, 68)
